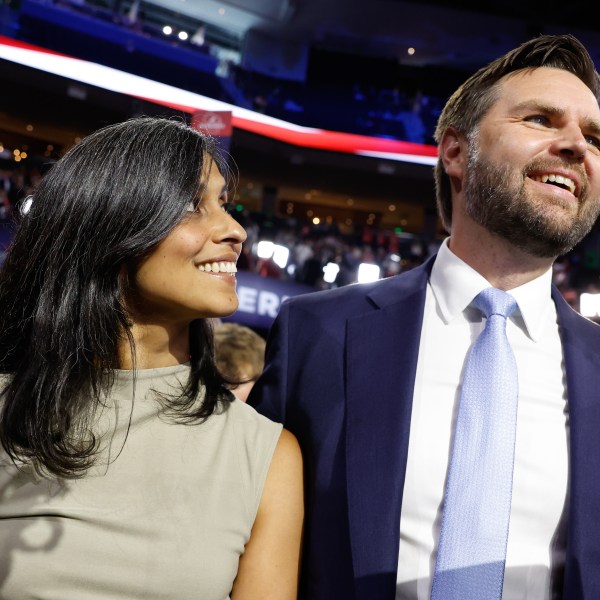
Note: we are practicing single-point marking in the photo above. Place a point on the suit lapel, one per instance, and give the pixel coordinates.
(581, 351)
(381, 360)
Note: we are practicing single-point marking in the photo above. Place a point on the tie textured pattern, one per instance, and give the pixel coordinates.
(472, 549)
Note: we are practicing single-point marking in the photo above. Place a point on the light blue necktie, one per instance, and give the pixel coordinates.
(472, 549)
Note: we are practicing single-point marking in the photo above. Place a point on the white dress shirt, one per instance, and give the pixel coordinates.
(450, 326)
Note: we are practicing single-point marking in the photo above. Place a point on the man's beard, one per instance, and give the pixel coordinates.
(496, 198)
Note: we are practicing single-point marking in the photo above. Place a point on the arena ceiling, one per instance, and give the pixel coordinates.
(460, 34)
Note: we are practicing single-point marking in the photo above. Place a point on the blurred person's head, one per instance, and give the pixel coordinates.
(240, 353)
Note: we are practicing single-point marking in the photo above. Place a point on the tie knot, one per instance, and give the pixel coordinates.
(493, 301)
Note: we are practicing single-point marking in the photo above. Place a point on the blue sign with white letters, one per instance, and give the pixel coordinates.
(260, 298)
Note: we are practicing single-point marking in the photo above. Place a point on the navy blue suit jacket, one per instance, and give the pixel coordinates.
(340, 372)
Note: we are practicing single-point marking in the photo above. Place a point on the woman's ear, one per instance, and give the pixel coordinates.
(126, 290)
(124, 279)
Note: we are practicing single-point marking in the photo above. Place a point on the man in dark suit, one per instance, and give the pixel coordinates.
(368, 376)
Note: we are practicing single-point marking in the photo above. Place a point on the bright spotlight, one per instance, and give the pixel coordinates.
(367, 272)
(589, 305)
(264, 249)
(182, 35)
(330, 271)
(167, 30)
(280, 255)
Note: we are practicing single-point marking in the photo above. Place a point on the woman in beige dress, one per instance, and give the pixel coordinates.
(127, 468)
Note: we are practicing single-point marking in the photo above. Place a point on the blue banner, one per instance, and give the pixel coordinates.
(261, 297)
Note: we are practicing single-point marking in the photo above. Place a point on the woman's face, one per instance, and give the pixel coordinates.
(191, 273)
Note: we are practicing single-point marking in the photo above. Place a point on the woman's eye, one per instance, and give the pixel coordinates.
(193, 206)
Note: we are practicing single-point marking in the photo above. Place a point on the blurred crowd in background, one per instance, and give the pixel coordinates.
(321, 256)
(388, 101)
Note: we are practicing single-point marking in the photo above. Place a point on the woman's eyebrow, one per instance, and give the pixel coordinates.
(203, 187)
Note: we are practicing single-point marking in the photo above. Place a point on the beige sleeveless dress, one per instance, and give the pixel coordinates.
(164, 514)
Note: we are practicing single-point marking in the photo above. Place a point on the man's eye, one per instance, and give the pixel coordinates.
(228, 206)
(593, 140)
(540, 119)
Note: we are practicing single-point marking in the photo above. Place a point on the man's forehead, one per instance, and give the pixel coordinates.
(555, 88)
(543, 80)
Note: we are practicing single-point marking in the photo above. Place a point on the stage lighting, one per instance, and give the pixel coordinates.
(368, 272)
(330, 272)
(589, 305)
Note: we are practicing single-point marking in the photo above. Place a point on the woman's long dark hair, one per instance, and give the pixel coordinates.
(107, 203)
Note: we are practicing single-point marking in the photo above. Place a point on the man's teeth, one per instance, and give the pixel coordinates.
(569, 183)
(218, 267)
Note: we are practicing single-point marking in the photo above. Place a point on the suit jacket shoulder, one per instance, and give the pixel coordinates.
(581, 353)
(358, 297)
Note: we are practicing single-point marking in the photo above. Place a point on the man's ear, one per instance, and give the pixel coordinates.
(453, 151)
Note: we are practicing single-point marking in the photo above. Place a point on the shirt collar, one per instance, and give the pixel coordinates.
(454, 285)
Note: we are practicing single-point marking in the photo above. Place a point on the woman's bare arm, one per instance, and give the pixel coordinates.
(269, 567)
